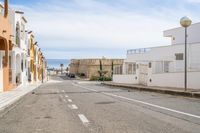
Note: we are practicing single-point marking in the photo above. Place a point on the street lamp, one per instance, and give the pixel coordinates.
(185, 22)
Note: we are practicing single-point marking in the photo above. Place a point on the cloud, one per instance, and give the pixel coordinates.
(100, 25)
(194, 1)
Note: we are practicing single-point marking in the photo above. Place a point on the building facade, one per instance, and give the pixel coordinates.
(91, 67)
(32, 59)
(18, 55)
(164, 66)
(5, 48)
(21, 60)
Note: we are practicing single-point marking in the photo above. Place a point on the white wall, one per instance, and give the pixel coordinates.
(127, 79)
(157, 54)
(167, 53)
(14, 18)
(177, 35)
(175, 80)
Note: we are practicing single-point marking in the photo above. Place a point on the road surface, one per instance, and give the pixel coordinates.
(70, 106)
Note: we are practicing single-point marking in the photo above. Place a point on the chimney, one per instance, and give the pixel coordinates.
(5, 8)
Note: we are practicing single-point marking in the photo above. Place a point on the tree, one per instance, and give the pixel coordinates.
(100, 67)
(102, 72)
(61, 68)
(112, 68)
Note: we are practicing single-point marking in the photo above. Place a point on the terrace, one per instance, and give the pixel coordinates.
(138, 51)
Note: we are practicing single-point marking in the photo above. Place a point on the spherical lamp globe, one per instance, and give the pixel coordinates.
(185, 22)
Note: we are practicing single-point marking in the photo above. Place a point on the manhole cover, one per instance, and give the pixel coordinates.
(106, 102)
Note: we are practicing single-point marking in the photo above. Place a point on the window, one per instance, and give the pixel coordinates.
(166, 66)
(22, 31)
(162, 67)
(17, 34)
(150, 64)
(10, 62)
(130, 68)
(117, 69)
(179, 56)
(1, 10)
(22, 65)
(158, 67)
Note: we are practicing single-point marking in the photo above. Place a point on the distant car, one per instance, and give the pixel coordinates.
(71, 75)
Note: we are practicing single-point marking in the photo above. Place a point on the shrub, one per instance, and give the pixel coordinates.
(94, 78)
(105, 79)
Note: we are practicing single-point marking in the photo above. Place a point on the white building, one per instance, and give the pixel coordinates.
(164, 66)
(18, 55)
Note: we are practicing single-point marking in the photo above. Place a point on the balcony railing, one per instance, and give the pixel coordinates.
(138, 51)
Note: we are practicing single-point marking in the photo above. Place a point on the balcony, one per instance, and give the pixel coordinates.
(138, 51)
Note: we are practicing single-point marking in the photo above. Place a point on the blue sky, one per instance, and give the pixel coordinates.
(96, 28)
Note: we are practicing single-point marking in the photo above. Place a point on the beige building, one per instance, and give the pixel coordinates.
(90, 67)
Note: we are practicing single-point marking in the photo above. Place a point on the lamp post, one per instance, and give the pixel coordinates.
(185, 22)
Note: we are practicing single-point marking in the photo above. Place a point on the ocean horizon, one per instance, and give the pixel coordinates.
(55, 63)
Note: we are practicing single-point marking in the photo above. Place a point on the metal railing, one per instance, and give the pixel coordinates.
(138, 51)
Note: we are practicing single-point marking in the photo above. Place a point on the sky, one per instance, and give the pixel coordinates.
(68, 29)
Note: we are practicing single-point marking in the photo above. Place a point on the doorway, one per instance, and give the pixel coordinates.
(143, 74)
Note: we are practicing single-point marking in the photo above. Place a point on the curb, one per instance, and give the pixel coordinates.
(15, 100)
(163, 91)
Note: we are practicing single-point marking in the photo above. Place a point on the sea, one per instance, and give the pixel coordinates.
(55, 63)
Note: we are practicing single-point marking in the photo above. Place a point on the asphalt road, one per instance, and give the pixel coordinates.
(69, 106)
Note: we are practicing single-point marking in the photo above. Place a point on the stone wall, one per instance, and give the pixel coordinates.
(90, 67)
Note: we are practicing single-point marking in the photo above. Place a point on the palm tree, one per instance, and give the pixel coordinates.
(61, 68)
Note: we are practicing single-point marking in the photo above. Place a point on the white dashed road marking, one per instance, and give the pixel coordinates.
(73, 106)
(144, 103)
(66, 95)
(69, 100)
(83, 119)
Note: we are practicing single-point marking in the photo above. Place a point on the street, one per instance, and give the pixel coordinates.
(72, 106)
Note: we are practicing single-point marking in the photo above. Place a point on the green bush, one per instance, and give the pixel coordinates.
(94, 78)
(105, 79)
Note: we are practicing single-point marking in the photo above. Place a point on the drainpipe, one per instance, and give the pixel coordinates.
(5, 8)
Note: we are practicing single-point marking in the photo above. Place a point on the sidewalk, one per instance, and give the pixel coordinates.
(166, 90)
(9, 97)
